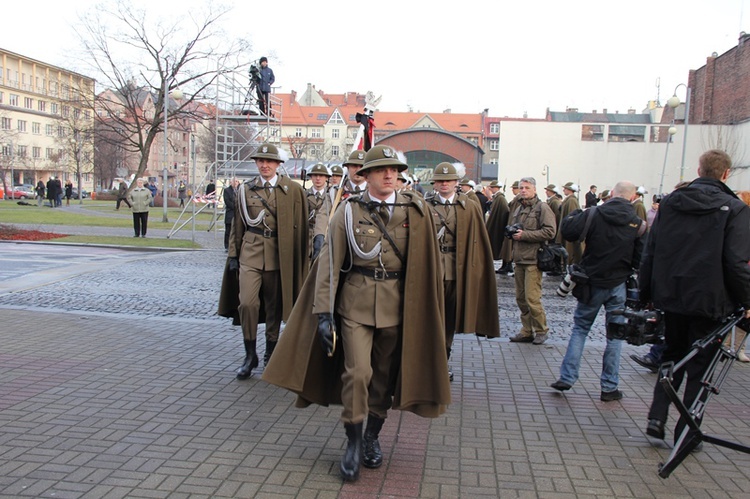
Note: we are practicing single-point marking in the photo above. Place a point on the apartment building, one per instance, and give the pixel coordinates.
(46, 122)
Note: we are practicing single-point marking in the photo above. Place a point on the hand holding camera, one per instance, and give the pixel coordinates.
(512, 230)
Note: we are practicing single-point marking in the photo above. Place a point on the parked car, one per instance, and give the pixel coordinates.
(17, 193)
(84, 193)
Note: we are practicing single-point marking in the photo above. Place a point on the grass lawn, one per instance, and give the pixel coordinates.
(130, 241)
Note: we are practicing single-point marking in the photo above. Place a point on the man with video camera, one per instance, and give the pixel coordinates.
(613, 235)
(695, 269)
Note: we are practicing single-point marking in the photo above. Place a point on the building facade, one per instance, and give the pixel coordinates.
(46, 123)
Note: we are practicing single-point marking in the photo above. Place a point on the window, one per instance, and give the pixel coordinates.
(494, 128)
(54, 108)
(315, 133)
(87, 114)
(21, 151)
(493, 161)
(626, 133)
(298, 132)
(36, 128)
(28, 103)
(60, 131)
(322, 116)
(335, 133)
(7, 123)
(65, 111)
(77, 114)
(42, 105)
(592, 132)
(298, 149)
(494, 145)
(13, 100)
(335, 151)
(1, 93)
(49, 153)
(21, 125)
(49, 129)
(7, 151)
(336, 118)
(36, 152)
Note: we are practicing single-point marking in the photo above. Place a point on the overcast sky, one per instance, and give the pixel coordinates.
(511, 57)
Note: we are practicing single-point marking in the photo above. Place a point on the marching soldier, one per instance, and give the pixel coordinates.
(393, 353)
(553, 200)
(334, 182)
(568, 205)
(318, 207)
(468, 281)
(355, 184)
(268, 255)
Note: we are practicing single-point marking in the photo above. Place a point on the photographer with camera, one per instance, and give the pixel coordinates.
(264, 78)
(613, 240)
(695, 269)
(533, 224)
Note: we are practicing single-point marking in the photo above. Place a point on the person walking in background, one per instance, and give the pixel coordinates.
(40, 193)
(51, 192)
(151, 186)
(122, 195)
(68, 192)
(181, 193)
(140, 198)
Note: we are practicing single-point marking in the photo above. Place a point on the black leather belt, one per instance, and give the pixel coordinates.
(447, 249)
(267, 233)
(378, 274)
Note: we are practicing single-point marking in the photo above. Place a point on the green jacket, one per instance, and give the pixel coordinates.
(140, 198)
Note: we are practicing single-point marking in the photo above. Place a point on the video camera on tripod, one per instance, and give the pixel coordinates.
(641, 327)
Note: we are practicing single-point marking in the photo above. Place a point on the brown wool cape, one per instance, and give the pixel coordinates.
(498, 219)
(476, 286)
(291, 205)
(422, 386)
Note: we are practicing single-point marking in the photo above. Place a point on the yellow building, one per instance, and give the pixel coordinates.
(46, 122)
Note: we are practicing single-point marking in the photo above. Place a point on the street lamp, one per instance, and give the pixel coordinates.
(177, 95)
(545, 171)
(673, 102)
(77, 146)
(671, 131)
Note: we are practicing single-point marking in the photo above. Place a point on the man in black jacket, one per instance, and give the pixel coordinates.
(230, 196)
(695, 269)
(613, 250)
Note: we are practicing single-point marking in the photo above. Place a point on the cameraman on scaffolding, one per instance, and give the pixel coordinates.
(267, 79)
(613, 234)
(695, 269)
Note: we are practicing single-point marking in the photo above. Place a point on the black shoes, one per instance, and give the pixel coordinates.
(251, 361)
(373, 456)
(450, 374)
(270, 347)
(645, 361)
(561, 385)
(611, 396)
(352, 457)
(655, 428)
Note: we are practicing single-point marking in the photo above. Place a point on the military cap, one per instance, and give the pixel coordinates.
(606, 194)
(550, 187)
(356, 157)
(319, 169)
(497, 183)
(267, 151)
(515, 184)
(465, 181)
(382, 156)
(571, 186)
(404, 177)
(641, 190)
(445, 171)
(337, 170)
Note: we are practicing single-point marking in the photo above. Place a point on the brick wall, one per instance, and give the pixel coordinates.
(431, 140)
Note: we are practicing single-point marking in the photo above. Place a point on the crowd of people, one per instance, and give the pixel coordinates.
(341, 262)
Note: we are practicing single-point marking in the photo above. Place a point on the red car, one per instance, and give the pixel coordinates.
(18, 193)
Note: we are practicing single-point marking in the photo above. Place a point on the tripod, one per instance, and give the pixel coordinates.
(714, 377)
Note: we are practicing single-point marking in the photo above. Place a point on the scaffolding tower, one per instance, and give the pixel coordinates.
(239, 128)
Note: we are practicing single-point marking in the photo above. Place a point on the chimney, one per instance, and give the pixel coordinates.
(447, 111)
(593, 111)
(744, 38)
(631, 111)
(604, 110)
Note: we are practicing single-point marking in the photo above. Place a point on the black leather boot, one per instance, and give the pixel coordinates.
(251, 361)
(373, 457)
(351, 459)
(270, 347)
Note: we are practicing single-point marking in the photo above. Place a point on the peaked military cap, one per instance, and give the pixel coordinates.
(571, 186)
(551, 187)
(355, 158)
(319, 169)
(380, 156)
(445, 171)
(465, 181)
(496, 183)
(337, 170)
(267, 151)
(515, 184)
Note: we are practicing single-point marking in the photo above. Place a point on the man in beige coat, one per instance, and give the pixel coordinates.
(140, 199)
(568, 205)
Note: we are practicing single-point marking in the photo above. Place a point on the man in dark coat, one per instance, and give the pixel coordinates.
(268, 247)
(591, 198)
(569, 205)
(381, 258)
(695, 269)
(468, 278)
(51, 188)
(122, 195)
(497, 220)
(613, 235)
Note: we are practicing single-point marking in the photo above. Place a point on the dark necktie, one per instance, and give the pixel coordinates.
(383, 211)
(267, 186)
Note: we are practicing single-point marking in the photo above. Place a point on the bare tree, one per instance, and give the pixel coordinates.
(141, 63)
(7, 150)
(76, 138)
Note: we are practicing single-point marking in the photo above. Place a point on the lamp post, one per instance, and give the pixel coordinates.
(673, 102)
(177, 94)
(672, 130)
(192, 200)
(77, 146)
(545, 171)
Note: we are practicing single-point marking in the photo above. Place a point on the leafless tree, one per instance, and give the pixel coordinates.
(141, 62)
(75, 140)
(7, 149)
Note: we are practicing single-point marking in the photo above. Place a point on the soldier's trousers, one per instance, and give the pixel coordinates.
(529, 299)
(252, 283)
(371, 361)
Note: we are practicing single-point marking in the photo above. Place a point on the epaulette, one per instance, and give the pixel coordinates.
(415, 200)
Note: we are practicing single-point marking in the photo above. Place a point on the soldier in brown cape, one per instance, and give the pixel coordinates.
(268, 255)
(497, 220)
(318, 206)
(354, 183)
(553, 200)
(569, 205)
(388, 354)
(640, 208)
(468, 280)
(466, 186)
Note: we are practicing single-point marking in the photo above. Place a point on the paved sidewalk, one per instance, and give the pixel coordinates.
(120, 383)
